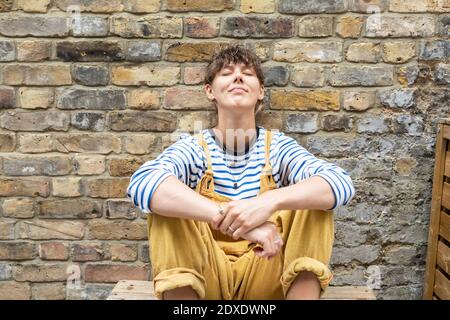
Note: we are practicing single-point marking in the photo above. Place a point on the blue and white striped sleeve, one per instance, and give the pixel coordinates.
(183, 159)
(295, 163)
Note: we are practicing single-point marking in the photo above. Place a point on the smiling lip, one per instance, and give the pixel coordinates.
(238, 90)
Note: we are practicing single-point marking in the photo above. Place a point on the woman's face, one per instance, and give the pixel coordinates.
(235, 85)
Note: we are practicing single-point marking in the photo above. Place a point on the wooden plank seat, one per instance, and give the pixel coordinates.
(143, 290)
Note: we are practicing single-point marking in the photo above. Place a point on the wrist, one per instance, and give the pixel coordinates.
(275, 199)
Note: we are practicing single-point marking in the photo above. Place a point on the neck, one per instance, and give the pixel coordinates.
(236, 134)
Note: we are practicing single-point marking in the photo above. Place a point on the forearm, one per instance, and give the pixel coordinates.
(312, 193)
(172, 198)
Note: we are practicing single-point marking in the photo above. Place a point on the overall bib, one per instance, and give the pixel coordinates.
(185, 252)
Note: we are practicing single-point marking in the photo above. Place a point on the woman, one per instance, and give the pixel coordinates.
(259, 224)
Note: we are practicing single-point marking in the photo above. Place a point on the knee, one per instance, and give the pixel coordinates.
(181, 293)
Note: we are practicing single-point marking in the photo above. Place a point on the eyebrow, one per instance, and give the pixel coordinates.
(230, 66)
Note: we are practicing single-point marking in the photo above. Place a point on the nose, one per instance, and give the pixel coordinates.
(238, 77)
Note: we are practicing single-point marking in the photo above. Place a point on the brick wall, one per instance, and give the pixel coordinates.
(89, 90)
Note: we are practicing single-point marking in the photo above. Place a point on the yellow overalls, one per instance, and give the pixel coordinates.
(186, 252)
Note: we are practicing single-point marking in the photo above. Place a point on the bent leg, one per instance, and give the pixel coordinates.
(183, 253)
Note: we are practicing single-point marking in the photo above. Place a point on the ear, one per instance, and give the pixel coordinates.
(208, 91)
(261, 93)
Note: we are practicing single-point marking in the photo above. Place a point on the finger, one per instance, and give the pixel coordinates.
(239, 232)
(226, 222)
(216, 221)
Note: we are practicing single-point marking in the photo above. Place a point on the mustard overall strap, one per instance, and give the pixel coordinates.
(204, 145)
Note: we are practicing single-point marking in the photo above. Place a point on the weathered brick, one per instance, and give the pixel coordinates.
(144, 51)
(349, 27)
(95, 99)
(309, 51)
(33, 25)
(175, 99)
(31, 50)
(143, 99)
(18, 250)
(7, 142)
(89, 164)
(361, 76)
(191, 51)
(11, 290)
(7, 51)
(123, 252)
(201, 27)
(363, 254)
(33, 6)
(37, 165)
(119, 209)
(397, 98)
(92, 121)
(368, 6)
(6, 231)
(36, 98)
(87, 252)
(405, 166)
(6, 5)
(123, 167)
(441, 74)
(26, 187)
(127, 26)
(434, 50)
(5, 272)
(315, 26)
(98, 143)
(118, 230)
(398, 52)
(7, 98)
(89, 291)
(90, 51)
(142, 6)
(305, 100)
(43, 230)
(150, 75)
(408, 75)
(258, 27)
(262, 6)
(302, 123)
(89, 5)
(194, 74)
(409, 124)
(49, 291)
(37, 143)
(338, 122)
(312, 6)
(40, 272)
(91, 75)
(139, 143)
(275, 75)
(19, 208)
(358, 100)
(144, 253)
(419, 6)
(399, 26)
(36, 75)
(107, 188)
(199, 5)
(190, 122)
(373, 123)
(261, 48)
(364, 52)
(66, 187)
(53, 251)
(444, 25)
(89, 26)
(142, 121)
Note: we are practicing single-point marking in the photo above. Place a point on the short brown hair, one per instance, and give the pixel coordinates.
(235, 54)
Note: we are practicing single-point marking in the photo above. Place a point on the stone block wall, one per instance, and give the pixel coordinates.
(89, 90)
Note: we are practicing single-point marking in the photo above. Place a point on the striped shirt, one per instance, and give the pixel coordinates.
(236, 176)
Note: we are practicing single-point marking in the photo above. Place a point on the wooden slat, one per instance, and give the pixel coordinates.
(443, 257)
(143, 290)
(348, 293)
(444, 228)
(447, 164)
(132, 290)
(442, 286)
(446, 195)
(446, 133)
(441, 149)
